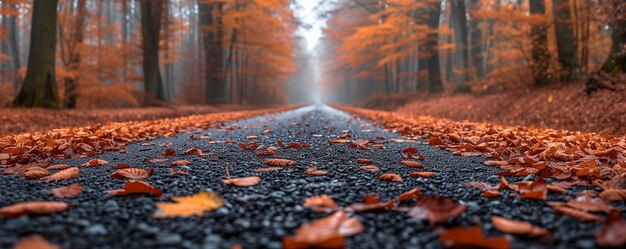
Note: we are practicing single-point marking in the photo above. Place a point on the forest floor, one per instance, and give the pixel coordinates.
(21, 120)
(311, 177)
(562, 107)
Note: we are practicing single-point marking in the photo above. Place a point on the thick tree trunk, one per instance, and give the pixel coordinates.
(151, 12)
(215, 80)
(434, 73)
(540, 57)
(476, 40)
(616, 61)
(458, 17)
(14, 49)
(71, 83)
(565, 40)
(39, 88)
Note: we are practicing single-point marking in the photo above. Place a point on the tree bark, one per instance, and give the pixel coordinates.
(458, 17)
(151, 11)
(476, 40)
(14, 49)
(71, 83)
(540, 57)
(616, 61)
(39, 88)
(434, 73)
(215, 80)
(565, 40)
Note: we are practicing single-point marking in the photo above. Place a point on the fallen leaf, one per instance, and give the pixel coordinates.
(33, 208)
(121, 166)
(613, 194)
(266, 153)
(472, 237)
(180, 163)
(535, 190)
(58, 166)
(613, 233)
(252, 137)
(517, 227)
(590, 204)
(412, 164)
(390, 177)
(279, 162)
(371, 203)
(370, 168)
(339, 141)
(168, 152)
(159, 160)
(136, 187)
(65, 174)
(95, 163)
(411, 194)
(243, 181)
(436, 209)
(425, 174)
(491, 194)
(268, 169)
(363, 160)
(34, 242)
(328, 232)
(578, 214)
(322, 203)
(70, 191)
(178, 172)
(132, 173)
(35, 173)
(315, 172)
(189, 205)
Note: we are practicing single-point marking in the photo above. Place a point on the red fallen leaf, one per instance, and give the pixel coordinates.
(65, 174)
(322, 203)
(244, 181)
(159, 160)
(33, 208)
(95, 163)
(536, 190)
(435, 141)
(420, 157)
(425, 174)
(265, 132)
(391, 177)
(578, 214)
(345, 135)
(279, 162)
(121, 166)
(413, 193)
(168, 152)
(327, 232)
(34, 242)
(272, 148)
(613, 233)
(339, 141)
(266, 153)
(496, 163)
(472, 237)
(363, 160)
(370, 168)
(135, 187)
(410, 149)
(378, 146)
(177, 172)
(267, 169)
(436, 209)
(371, 203)
(315, 172)
(504, 184)
(58, 166)
(70, 191)
(613, 194)
(132, 173)
(412, 164)
(194, 151)
(180, 163)
(35, 173)
(491, 194)
(517, 227)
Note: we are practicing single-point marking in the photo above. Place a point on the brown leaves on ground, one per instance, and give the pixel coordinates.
(35, 173)
(168, 152)
(371, 203)
(132, 173)
(425, 174)
(614, 194)
(535, 190)
(34, 242)
(581, 215)
(412, 164)
(70, 191)
(180, 163)
(268, 169)
(315, 172)
(370, 168)
(95, 163)
(243, 181)
(328, 232)
(411, 194)
(136, 187)
(613, 233)
(62, 175)
(322, 203)
(390, 177)
(33, 208)
(266, 153)
(189, 205)
(472, 237)
(436, 209)
(363, 160)
(517, 227)
(279, 162)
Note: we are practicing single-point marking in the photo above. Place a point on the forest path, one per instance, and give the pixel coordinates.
(260, 216)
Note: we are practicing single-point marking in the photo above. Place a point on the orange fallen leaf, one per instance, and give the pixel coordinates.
(266, 153)
(517, 227)
(121, 166)
(613, 194)
(33, 208)
(65, 174)
(578, 214)
(34, 242)
(279, 162)
(315, 172)
(363, 160)
(58, 166)
(178, 172)
(370, 168)
(328, 232)
(243, 181)
(371, 203)
(491, 194)
(322, 203)
(339, 141)
(132, 173)
(436, 209)
(168, 152)
(189, 205)
(413, 193)
(425, 174)
(536, 190)
(390, 177)
(252, 137)
(412, 164)
(180, 163)
(472, 237)
(272, 148)
(136, 187)
(613, 233)
(95, 163)
(35, 173)
(70, 191)
(266, 132)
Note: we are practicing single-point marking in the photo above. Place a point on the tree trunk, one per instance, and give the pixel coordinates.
(434, 73)
(14, 49)
(151, 12)
(39, 88)
(616, 61)
(458, 17)
(540, 57)
(215, 90)
(565, 40)
(476, 40)
(71, 83)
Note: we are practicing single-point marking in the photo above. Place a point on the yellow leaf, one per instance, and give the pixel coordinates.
(189, 205)
(550, 98)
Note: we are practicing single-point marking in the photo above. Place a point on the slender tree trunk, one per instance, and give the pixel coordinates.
(151, 12)
(540, 57)
(39, 88)
(476, 40)
(14, 49)
(565, 39)
(434, 72)
(73, 64)
(215, 90)
(458, 16)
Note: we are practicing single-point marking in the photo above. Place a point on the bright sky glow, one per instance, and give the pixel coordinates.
(309, 16)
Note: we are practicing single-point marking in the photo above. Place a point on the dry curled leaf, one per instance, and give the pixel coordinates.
(363, 160)
(279, 162)
(390, 177)
(70, 191)
(33, 208)
(370, 168)
(613, 233)
(315, 172)
(472, 237)
(34, 242)
(168, 152)
(613, 194)
(65, 174)
(425, 174)
(189, 205)
(132, 173)
(243, 181)
(371, 203)
(180, 163)
(517, 227)
(412, 164)
(436, 209)
(413, 193)
(58, 166)
(535, 190)
(491, 194)
(322, 203)
(95, 163)
(328, 232)
(578, 214)
(136, 187)
(35, 173)
(178, 172)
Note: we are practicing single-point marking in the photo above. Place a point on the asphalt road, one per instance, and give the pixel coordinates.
(260, 216)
